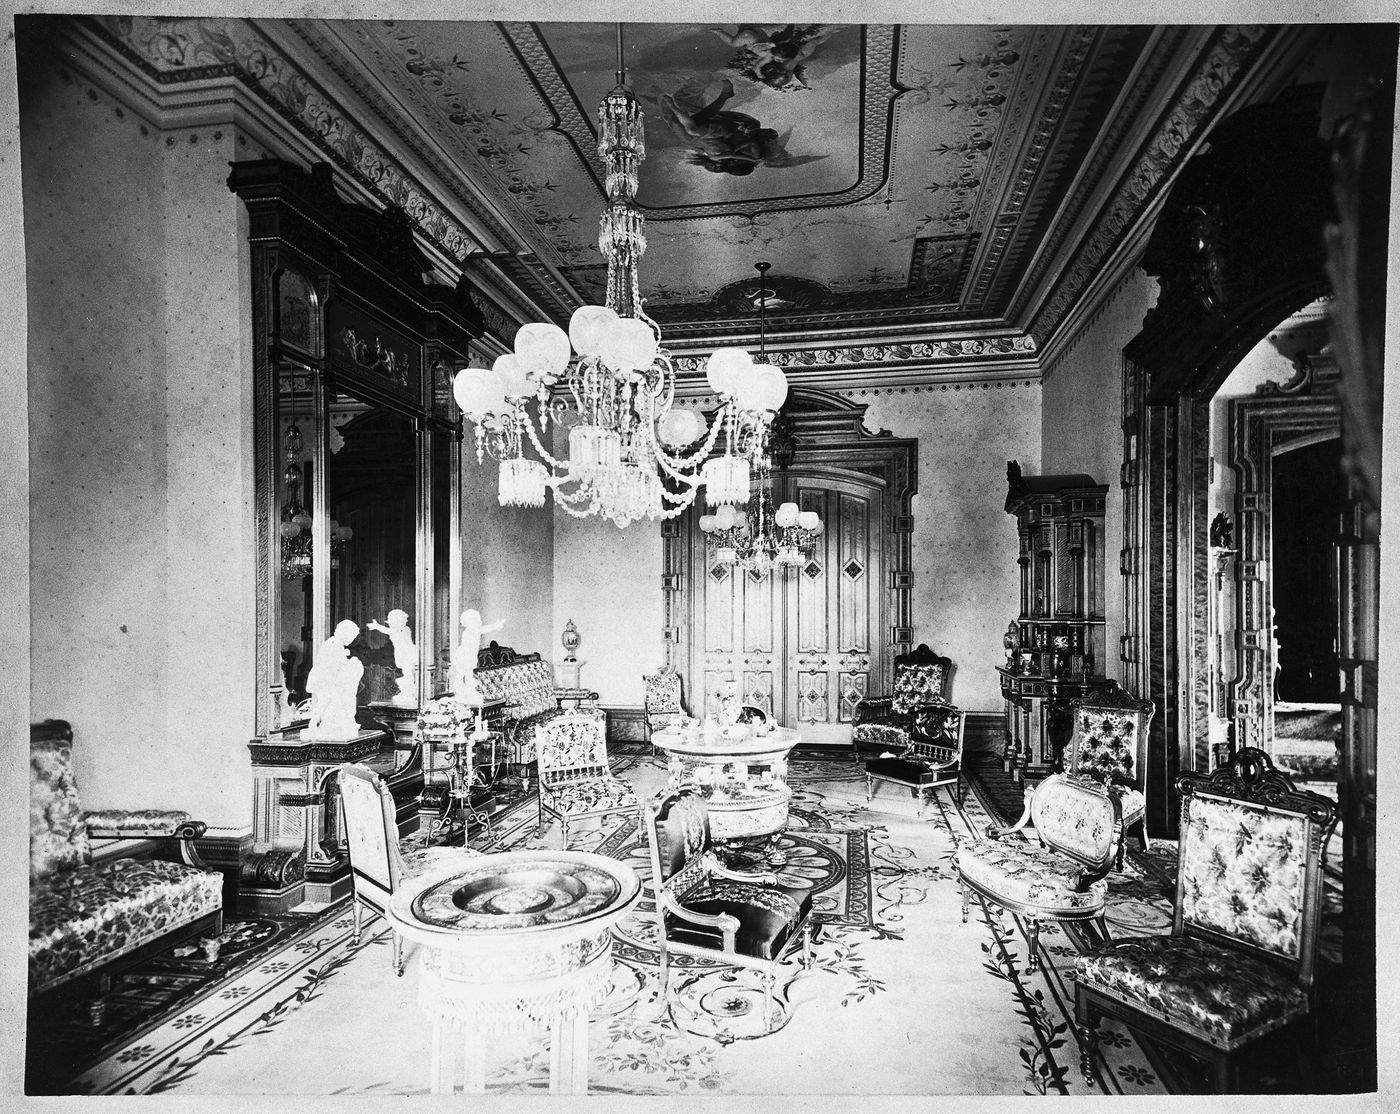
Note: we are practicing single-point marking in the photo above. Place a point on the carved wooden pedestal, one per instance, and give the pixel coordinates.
(295, 809)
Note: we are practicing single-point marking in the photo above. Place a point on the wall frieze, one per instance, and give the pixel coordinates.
(867, 357)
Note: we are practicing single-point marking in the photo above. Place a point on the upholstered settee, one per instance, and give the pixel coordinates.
(93, 914)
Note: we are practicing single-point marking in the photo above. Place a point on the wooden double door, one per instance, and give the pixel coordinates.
(804, 644)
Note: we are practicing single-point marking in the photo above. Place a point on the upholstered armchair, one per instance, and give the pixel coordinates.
(575, 779)
(933, 757)
(661, 700)
(1239, 961)
(705, 909)
(93, 914)
(1078, 827)
(1110, 731)
(882, 723)
(379, 860)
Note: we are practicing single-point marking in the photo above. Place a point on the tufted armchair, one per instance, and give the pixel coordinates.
(932, 759)
(94, 912)
(661, 700)
(1238, 963)
(1078, 826)
(882, 723)
(379, 860)
(705, 909)
(575, 779)
(1110, 731)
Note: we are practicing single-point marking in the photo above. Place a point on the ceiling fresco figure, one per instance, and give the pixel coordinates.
(775, 55)
(721, 140)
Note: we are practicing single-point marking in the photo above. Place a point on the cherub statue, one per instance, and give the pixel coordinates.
(405, 655)
(464, 660)
(333, 683)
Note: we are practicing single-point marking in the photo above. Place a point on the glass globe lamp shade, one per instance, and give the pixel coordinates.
(725, 369)
(786, 515)
(809, 520)
(725, 517)
(289, 529)
(588, 326)
(770, 388)
(707, 524)
(680, 427)
(479, 392)
(542, 349)
(515, 381)
(302, 521)
(628, 344)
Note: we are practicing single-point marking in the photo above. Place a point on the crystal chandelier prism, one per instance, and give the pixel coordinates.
(632, 452)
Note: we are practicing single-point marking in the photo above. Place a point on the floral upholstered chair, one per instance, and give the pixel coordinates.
(1110, 731)
(1078, 826)
(705, 909)
(575, 779)
(1238, 963)
(379, 860)
(882, 723)
(932, 759)
(661, 701)
(91, 916)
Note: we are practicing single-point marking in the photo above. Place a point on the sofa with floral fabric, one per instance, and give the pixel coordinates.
(92, 913)
(526, 683)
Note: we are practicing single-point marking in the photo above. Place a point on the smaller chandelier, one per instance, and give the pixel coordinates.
(764, 539)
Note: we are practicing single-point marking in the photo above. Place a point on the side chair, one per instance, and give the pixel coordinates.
(932, 758)
(1239, 961)
(707, 910)
(1110, 731)
(575, 779)
(379, 861)
(662, 706)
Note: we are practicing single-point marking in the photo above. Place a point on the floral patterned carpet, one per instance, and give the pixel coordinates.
(903, 998)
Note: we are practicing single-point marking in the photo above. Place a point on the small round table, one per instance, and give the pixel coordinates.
(511, 941)
(743, 780)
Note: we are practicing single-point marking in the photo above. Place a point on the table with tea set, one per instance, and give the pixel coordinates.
(741, 770)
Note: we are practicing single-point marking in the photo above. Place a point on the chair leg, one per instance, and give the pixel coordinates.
(1142, 834)
(807, 957)
(962, 886)
(869, 788)
(1032, 940)
(1087, 1030)
(355, 932)
(768, 990)
(397, 952)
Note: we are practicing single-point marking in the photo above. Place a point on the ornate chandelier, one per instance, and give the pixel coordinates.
(763, 539)
(632, 453)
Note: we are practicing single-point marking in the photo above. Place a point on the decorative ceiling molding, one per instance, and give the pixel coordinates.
(1221, 69)
(926, 357)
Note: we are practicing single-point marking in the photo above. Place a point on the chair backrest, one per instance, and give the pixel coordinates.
(937, 731)
(1250, 860)
(370, 831)
(1080, 820)
(678, 835)
(58, 835)
(919, 676)
(572, 746)
(661, 691)
(1110, 730)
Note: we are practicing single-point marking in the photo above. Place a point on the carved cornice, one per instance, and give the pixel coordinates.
(864, 357)
(1220, 71)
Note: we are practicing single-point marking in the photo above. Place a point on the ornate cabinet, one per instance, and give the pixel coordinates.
(1055, 645)
(357, 449)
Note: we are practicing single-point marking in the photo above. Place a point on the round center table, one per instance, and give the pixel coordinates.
(743, 779)
(511, 941)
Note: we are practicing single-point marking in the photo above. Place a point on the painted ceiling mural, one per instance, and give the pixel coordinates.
(927, 173)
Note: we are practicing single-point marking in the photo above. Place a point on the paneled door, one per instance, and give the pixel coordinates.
(803, 644)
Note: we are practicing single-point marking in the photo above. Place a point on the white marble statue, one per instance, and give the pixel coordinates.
(464, 660)
(405, 656)
(333, 684)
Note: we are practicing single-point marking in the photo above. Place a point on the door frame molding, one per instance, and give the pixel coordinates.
(827, 433)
